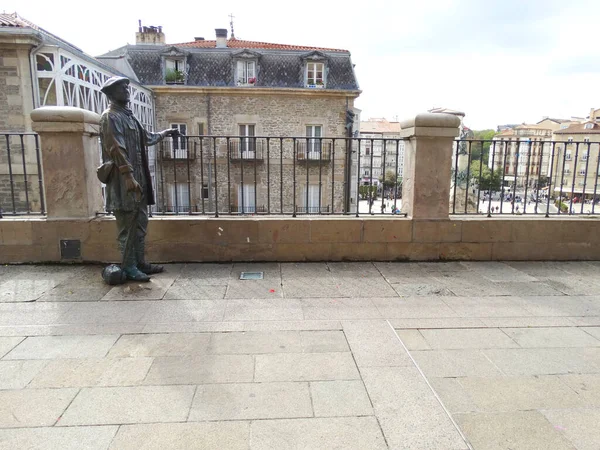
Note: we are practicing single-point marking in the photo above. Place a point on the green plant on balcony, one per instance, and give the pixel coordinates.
(174, 76)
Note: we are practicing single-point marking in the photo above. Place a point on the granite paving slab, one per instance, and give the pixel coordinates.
(579, 426)
(18, 374)
(173, 344)
(199, 369)
(340, 398)
(26, 408)
(305, 367)
(58, 347)
(477, 338)
(552, 337)
(8, 343)
(55, 438)
(196, 289)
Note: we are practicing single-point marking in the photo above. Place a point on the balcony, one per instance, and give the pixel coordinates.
(313, 209)
(178, 149)
(246, 149)
(313, 150)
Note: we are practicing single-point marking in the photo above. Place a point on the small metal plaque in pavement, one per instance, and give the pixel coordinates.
(251, 276)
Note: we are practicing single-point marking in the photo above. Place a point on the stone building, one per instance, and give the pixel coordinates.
(38, 68)
(237, 92)
(382, 151)
(577, 159)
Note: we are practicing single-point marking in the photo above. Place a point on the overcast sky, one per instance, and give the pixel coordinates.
(499, 61)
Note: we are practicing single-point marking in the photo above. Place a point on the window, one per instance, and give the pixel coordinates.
(567, 168)
(582, 172)
(368, 149)
(179, 197)
(246, 73)
(174, 71)
(313, 145)
(584, 156)
(586, 140)
(246, 203)
(568, 156)
(179, 144)
(314, 75)
(312, 207)
(588, 126)
(248, 144)
(205, 191)
(570, 140)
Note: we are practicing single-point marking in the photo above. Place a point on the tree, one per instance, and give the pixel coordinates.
(390, 180)
(482, 176)
(482, 150)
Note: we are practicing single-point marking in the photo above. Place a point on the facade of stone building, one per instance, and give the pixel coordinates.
(381, 150)
(245, 91)
(576, 164)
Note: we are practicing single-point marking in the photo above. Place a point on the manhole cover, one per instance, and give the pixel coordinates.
(251, 276)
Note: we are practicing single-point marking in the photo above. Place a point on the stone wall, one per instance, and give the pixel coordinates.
(185, 239)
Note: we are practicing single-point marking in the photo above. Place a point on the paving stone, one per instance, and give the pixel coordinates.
(183, 436)
(155, 289)
(207, 274)
(453, 395)
(431, 289)
(101, 312)
(198, 369)
(361, 269)
(560, 306)
(440, 322)
(172, 344)
(551, 337)
(306, 271)
(527, 288)
(291, 325)
(497, 271)
(524, 430)
(545, 361)
(585, 321)
(587, 386)
(340, 398)
(413, 339)
(271, 271)
(18, 374)
(343, 433)
(413, 307)
(520, 393)
(527, 322)
(477, 338)
(54, 347)
(540, 269)
(193, 327)
(438, 267)
(54, 438)
(339, 308)
(251, 401)
(305, 367)
(8, 343)
(403, 273)
(471, 285)
(375, 344)
(195, 289)
(455, 363)
(92, 372)
(13, 314)
(580, 426)
(33, 407)
(367, 287)
(72, 329)
(123, 405)
(409, 413)
(486, 307)
(255, 342)
(256, 289)
(265, 309)
(25, 290)
(75, 294)
(184, 311)
(573, 285)
(312, 288)
(594, 331)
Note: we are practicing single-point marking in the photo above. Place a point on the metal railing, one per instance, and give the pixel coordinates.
(277, 175)
(535, 177)
(21, 186)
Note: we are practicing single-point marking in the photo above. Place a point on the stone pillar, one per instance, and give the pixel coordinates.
(428, 164)
(70, 156)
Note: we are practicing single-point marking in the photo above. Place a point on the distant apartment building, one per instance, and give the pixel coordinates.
(577, 159)
(381, 150)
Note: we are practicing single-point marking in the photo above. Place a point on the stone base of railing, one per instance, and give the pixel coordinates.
(199, 239)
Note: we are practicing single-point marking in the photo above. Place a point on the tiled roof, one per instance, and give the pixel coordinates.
(10, 20)
(379, 126)
(555, 120)
(214, 67)
(238, 43)
(579, 128)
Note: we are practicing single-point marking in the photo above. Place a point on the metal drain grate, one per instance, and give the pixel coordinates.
(251, 276)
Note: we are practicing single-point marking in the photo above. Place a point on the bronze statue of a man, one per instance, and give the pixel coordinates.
(129, 185)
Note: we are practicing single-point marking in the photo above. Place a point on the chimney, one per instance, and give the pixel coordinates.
(221, 37)
(198, 39)
(149, 35)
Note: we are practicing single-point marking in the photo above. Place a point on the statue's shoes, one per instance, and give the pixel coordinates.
(135, 275)
(150, 269)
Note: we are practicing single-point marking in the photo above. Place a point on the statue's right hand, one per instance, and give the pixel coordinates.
(133, 186)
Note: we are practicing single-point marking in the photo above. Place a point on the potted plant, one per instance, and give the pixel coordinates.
(173, 76)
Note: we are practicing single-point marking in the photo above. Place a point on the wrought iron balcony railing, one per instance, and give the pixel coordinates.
(313, 150)
(246, 148)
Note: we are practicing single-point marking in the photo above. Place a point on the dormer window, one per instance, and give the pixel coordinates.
(315, 74)
(174, 71)
(246, 73)
(588, 126)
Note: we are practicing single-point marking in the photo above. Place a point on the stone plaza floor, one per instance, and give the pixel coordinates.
(472, 355)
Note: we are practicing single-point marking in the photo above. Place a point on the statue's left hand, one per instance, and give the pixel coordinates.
(171, 132)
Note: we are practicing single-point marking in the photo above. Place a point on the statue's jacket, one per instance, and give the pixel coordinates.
(124, 142)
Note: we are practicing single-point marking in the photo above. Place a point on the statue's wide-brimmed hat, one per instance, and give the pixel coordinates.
(109, 84)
